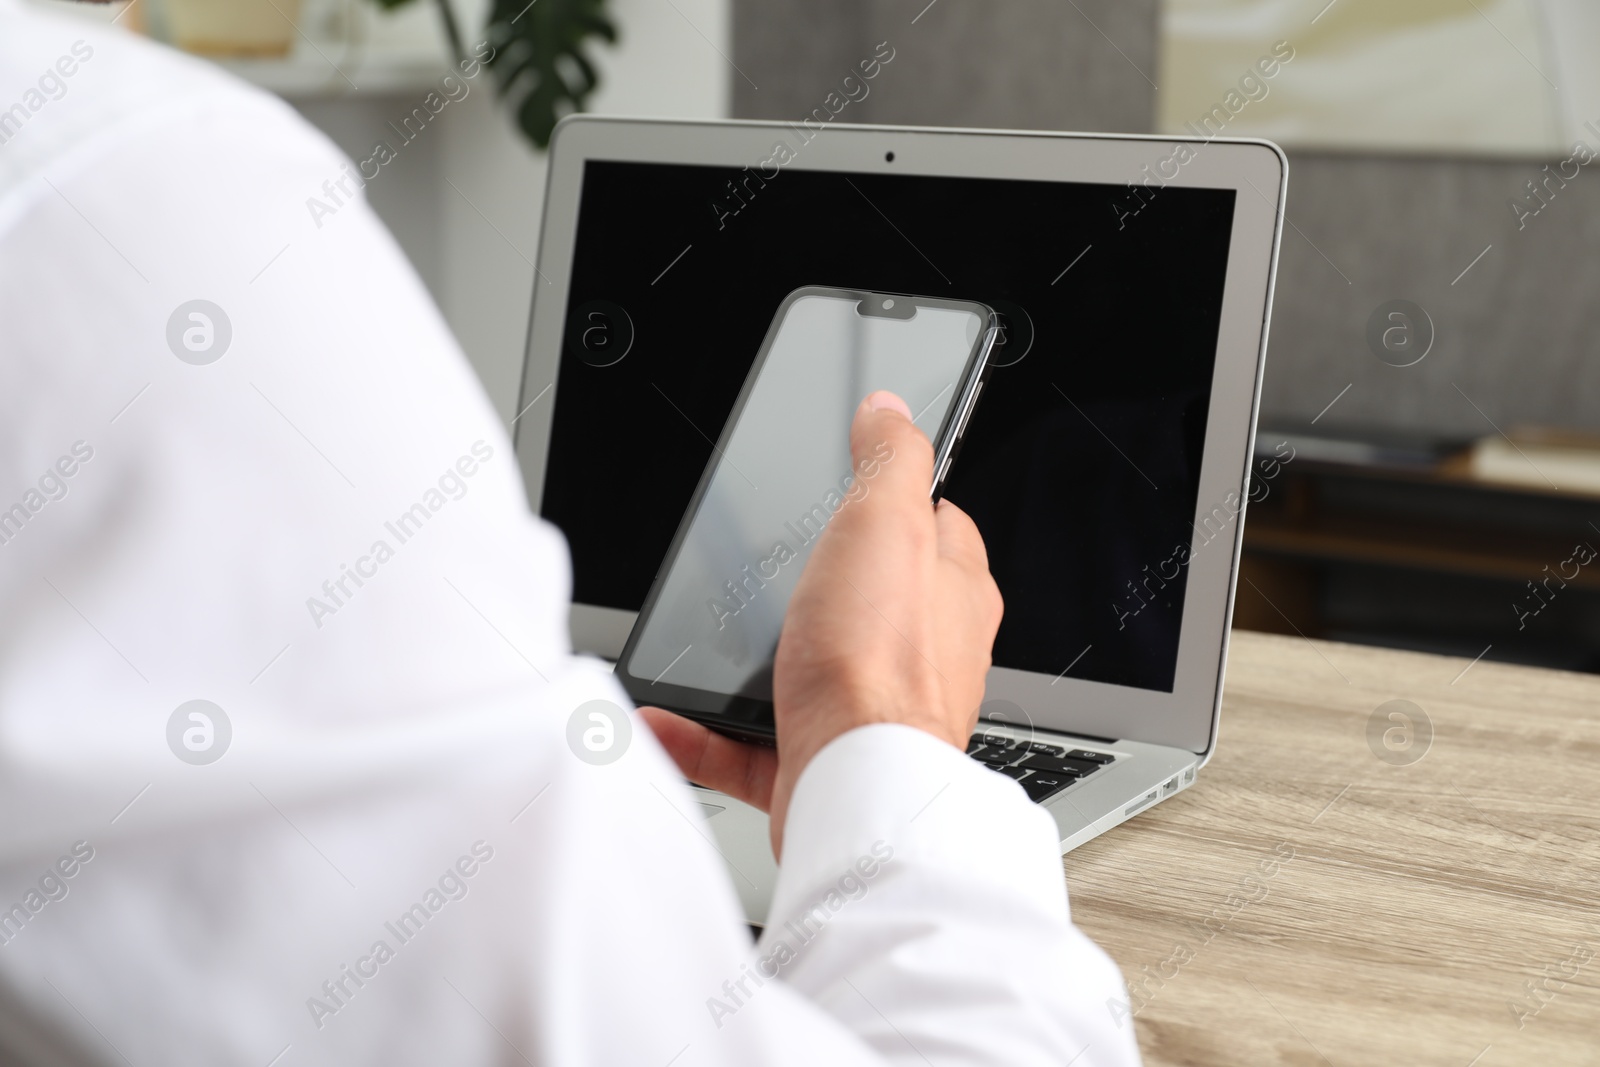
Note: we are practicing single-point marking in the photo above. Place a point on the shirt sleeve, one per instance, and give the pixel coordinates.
(904, 931)
(921, 902)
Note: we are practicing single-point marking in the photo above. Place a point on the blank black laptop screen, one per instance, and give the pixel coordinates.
(1082, 462)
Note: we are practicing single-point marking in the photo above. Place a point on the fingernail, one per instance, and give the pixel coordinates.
(884, 399)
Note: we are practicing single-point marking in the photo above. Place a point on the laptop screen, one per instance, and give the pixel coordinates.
(1082, 462)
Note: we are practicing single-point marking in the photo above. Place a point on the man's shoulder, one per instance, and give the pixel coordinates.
(35, 39)
(66, 82)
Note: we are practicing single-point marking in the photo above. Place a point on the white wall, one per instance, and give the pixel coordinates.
(662, 66)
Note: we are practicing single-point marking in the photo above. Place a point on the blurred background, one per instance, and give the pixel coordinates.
(1431, 369)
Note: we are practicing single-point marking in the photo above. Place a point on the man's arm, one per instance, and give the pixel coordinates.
(920, 899)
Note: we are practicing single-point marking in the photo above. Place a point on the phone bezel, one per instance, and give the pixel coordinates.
(750, 718)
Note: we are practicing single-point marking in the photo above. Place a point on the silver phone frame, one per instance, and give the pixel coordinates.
(1257, 170)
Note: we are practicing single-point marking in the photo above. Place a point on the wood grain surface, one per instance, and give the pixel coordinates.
(1309, 901)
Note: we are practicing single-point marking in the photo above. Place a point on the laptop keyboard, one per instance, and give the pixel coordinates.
(1042, 770)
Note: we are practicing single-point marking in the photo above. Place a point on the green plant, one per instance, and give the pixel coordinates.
(539, 59)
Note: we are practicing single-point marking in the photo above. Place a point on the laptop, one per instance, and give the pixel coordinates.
(1107, 464)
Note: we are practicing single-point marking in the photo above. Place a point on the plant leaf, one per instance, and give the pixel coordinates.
(533, 44)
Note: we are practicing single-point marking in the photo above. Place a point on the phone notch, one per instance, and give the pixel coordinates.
(888, 306)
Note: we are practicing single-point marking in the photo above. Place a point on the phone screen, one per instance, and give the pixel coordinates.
(782, 470)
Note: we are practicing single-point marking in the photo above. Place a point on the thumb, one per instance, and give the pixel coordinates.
(891, 455)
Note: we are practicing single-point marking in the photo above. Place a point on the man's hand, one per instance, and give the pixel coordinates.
(893, 620)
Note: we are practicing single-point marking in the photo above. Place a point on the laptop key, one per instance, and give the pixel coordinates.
(1076, 768)
(1047, 750)
(1040, 786)
(1096, 757)
(1002, 755)
(1012, 772)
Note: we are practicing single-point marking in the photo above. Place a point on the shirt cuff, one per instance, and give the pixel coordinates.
(889, 793)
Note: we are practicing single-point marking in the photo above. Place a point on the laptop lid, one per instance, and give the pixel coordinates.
(1108, 463)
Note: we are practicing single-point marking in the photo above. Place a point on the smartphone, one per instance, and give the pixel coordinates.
(704, 642)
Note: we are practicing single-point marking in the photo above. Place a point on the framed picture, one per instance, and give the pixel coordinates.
(1518, 78)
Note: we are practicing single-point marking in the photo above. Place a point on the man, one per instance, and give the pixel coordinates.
(291, 736)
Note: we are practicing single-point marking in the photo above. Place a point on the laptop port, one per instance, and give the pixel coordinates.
(1150, 798)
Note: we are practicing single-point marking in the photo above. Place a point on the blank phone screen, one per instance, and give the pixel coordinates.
(783, 473)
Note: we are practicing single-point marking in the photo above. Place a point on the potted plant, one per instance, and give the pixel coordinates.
(539, 58)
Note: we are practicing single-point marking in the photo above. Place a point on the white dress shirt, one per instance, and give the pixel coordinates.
(293, 503)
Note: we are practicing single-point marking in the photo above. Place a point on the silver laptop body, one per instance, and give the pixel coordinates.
(1157, 738)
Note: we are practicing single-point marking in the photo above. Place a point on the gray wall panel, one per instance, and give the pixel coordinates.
(794, 54)
(1032, 64)
(1516, 334)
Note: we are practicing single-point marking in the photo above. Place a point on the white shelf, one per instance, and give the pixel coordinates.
(347, 47)
(387, 53)
(332, 70)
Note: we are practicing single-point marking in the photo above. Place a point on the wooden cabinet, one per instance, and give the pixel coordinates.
(1399, 544)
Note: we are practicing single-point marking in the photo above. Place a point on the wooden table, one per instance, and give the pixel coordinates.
(1307, 902)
